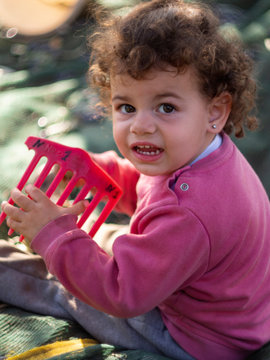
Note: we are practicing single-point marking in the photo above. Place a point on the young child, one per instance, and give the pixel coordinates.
(191, 278)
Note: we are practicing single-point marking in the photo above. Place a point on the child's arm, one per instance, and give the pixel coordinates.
(170, 253)
(170, 250)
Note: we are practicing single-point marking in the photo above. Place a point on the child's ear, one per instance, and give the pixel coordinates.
(219, 111)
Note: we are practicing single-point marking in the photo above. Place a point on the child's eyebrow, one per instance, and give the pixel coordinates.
(120, 98)
(169, 94)
(158, 96)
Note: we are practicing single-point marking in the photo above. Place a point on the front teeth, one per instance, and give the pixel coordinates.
(142, 150)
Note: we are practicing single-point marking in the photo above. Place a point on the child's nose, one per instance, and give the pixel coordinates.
(143, 123)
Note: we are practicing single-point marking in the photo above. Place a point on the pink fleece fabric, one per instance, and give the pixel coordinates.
(198, 248)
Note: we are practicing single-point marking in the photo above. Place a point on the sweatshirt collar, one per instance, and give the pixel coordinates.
(214, 145)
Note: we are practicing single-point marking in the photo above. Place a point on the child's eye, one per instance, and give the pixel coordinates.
(127, 109)
(166, 108)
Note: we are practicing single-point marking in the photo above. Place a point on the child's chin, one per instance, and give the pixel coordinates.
(151, 170)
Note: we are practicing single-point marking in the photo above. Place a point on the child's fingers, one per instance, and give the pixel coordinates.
(78, 208)
(14, 219)
(35, 193)
(14, 224)
(21, 200)
(11, 211)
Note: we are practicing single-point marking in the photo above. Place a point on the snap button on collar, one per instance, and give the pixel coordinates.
(184, 186)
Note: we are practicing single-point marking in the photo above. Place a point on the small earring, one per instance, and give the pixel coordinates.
(214, 126)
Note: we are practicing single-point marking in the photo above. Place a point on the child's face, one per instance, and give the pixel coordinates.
(160, 123)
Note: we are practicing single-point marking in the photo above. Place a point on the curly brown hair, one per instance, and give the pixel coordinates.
(159, 33)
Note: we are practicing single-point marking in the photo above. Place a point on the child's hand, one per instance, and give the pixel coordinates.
(35, 211)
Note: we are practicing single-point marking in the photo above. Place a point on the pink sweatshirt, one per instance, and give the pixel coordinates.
(199, 249)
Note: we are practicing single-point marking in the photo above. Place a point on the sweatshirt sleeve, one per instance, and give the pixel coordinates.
(145, 269)
(125, 174)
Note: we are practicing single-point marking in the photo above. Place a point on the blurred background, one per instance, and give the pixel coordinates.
(43, 83)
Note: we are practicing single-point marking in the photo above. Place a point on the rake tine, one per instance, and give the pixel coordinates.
(21, 238)
(38, 182)
(56, 181)
(70, 186)
(28, 171)
(44, 173)
(4, 215)
(51, 188)
(82, 194)
(53, 185)
(23, 181)
(102, 217)
(93, 204)
(10, 232)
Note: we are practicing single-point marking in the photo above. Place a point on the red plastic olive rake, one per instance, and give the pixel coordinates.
(82, 167)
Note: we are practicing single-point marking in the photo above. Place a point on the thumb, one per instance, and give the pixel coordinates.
(78, 208)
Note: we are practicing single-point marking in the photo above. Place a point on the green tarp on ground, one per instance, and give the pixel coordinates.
(21, 331)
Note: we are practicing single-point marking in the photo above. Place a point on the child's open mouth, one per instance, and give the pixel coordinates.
(147, 150)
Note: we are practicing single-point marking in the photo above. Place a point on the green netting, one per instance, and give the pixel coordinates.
(107, 352)
(21, 331)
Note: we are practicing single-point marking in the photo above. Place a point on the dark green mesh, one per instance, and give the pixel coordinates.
(21, 331)
(107, 352)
